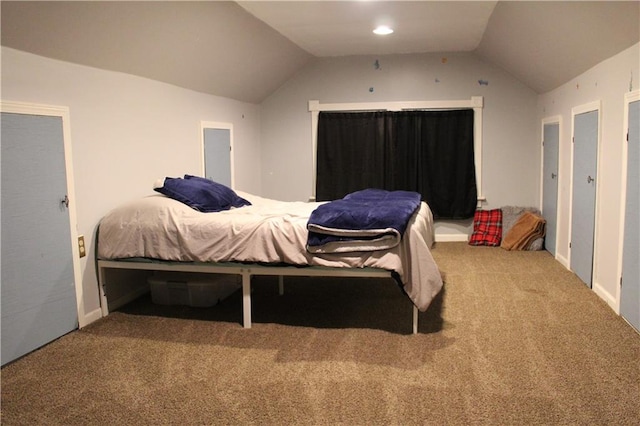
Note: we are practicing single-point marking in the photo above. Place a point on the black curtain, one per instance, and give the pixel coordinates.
(430, 152)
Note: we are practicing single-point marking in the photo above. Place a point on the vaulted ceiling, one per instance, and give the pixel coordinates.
(246, 50)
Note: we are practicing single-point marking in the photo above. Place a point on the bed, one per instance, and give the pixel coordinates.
(267, 237)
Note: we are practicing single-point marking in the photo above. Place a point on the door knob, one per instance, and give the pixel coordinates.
(65, 201)
(590, 179)
(553, 175)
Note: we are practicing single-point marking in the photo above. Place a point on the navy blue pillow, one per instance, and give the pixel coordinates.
(201, 194)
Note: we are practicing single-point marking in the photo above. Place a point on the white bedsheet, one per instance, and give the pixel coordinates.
(268, 231)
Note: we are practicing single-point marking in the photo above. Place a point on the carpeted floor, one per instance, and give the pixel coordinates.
(514, 339)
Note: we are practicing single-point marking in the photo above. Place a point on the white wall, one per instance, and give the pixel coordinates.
(606, 82)
(511, 152)
(127, 132)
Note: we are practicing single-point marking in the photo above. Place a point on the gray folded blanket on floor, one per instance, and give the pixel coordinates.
(511, 214)
(527, 229)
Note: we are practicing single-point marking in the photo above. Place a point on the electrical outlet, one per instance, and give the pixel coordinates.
(81, 248)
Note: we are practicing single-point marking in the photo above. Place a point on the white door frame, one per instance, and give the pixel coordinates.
(628, 99)
(63, 113)
(589, 107)
(556, 119)
(217, 125)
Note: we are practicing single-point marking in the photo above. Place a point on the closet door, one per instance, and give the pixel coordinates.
(217, 145)
(551, 137)
(630, 291)
(37, 282)
(585, 152)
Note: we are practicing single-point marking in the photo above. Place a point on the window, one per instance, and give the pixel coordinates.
(429, 147)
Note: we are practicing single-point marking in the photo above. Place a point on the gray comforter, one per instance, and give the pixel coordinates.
(268, 231)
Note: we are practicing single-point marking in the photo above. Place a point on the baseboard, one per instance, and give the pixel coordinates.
(90, 317)
(563, 260)
(604, 295)
(452, 238)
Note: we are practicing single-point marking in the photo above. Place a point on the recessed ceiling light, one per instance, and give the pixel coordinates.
(383, 30)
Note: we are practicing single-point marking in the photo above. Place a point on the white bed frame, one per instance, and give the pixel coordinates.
(244, 270)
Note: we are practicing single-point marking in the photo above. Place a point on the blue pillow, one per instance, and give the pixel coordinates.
(201, 194)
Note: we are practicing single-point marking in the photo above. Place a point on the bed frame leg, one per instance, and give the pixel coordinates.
(415, 319)
(280, 285)
(246, 300)
(104, 304)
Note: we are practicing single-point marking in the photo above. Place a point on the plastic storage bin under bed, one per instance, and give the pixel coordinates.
(190, 289)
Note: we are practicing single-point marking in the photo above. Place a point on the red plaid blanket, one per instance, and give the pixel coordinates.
(487, 228)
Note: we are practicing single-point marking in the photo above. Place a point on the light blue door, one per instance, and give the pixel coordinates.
(585, 149)
(550, 183)
(630, 291)
(217, 155)
(37, 279)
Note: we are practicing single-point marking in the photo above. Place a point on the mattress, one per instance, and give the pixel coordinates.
(268, 232)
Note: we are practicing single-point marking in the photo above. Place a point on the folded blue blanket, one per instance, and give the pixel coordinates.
(367, 220)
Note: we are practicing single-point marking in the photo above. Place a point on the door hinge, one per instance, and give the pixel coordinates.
(569, 244)
(620, 280)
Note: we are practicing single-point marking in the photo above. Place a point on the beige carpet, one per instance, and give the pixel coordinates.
(514, 339)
